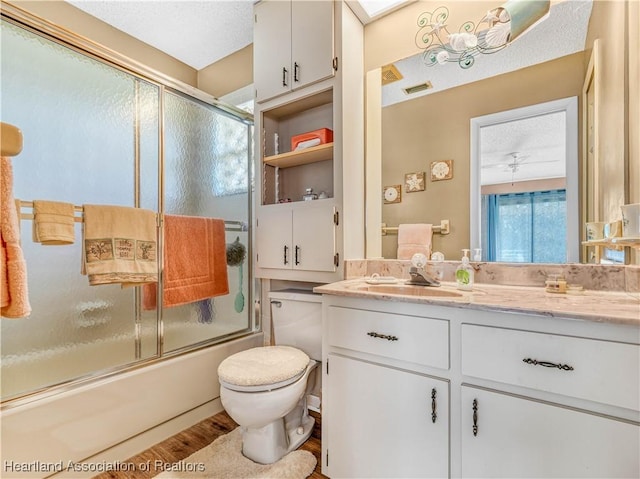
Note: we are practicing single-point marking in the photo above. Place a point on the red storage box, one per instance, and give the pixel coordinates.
(325, 135)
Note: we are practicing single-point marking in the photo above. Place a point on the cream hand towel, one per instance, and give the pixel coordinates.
(14, 294)
(53, 222)
(414, 238)
(119, 245)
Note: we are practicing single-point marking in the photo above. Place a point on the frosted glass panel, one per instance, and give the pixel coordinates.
(205, 164)
(92, 135)
(77, 118)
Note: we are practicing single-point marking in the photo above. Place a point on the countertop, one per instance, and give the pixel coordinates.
(600, 306)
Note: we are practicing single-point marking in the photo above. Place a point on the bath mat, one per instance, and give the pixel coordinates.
(223, 459)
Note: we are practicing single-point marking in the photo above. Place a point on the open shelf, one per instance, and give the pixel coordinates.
(301, 157)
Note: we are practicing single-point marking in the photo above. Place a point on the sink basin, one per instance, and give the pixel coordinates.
(410, 290)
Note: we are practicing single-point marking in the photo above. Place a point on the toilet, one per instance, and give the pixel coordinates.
(268, 390)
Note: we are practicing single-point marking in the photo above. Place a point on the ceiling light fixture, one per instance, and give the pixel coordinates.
(499, 27)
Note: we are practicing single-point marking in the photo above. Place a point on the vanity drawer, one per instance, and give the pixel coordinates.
(414, 339)
(603, 371)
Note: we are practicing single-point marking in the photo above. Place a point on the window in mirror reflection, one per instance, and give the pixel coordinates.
(525, 227)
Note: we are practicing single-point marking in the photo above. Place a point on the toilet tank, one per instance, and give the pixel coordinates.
(296, 316)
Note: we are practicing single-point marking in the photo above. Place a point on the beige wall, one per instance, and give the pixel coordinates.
(436, 127)
(71, 18)
(634, 110)
(608, 24)
(229, 74)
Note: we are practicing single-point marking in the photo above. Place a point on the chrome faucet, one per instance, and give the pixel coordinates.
(421, 278)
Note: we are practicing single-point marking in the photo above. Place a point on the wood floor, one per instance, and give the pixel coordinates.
(196, 437)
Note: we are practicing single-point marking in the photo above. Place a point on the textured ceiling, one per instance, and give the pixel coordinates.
(197, 33)
(528, 149)
(562, 33)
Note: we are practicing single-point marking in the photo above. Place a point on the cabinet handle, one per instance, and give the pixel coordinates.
(433, 405)
(284, 76)
(382, 336)
(475, 417)
(296, 69)
(547, 364)
(286, 249)
(296, 255)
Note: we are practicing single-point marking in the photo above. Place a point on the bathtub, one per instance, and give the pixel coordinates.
(113, 418)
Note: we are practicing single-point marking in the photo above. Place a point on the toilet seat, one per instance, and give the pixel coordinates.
(263, 368)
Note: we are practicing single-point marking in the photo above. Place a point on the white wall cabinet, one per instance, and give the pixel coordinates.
(508, 436)
(319, 30)
(525, 396)
(293, 45)
(410, 439)
(298, 237)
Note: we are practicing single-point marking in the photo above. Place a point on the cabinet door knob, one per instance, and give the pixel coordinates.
(548, 364)
(297, 252)
(286, 249)
(296, 69)
(284, 76)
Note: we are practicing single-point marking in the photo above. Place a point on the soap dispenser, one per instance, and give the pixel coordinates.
(464, 273)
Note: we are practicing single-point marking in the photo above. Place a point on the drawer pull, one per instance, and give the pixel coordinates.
(433, 405)
(382, 336)
(475, 417)
(547, 364)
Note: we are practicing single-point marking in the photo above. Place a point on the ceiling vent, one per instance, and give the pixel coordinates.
(390, 74)
(417, 88)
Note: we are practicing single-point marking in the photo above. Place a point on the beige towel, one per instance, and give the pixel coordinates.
(14, 294)
(195, 261)
(53, 222)
(414, 238)
(119, 245)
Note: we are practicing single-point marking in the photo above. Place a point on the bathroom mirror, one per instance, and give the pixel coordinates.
(427, 120)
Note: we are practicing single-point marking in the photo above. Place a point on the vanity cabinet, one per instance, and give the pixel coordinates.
(297, 237)
(393, 437)
(293, 45)
(386, 413)
(521, 395)
(504, 435)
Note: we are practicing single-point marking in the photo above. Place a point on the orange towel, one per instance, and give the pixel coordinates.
(195, 261)
(14, 295)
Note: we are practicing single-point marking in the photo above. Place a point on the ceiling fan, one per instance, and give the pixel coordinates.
(512, 163)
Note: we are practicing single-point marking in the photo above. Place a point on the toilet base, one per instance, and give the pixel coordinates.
(270, 443)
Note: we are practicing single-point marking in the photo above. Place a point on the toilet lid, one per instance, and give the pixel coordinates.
(263, 366)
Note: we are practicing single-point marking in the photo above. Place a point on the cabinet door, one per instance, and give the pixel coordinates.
(272, 74)
(384, 422)
(314, 238)
(312, 42)
(273, 238)
(517, 437)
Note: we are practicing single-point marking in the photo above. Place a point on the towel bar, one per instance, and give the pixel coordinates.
(442, 228)
(230, 225)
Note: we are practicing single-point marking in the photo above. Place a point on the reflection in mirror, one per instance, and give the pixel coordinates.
(432, 124)
(524, 187)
